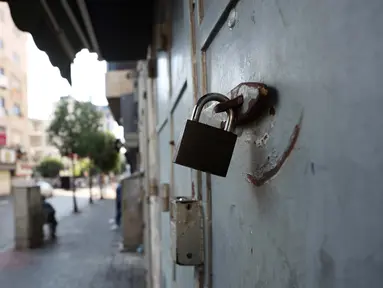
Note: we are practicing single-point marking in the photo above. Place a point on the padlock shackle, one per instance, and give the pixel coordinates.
(196, 114)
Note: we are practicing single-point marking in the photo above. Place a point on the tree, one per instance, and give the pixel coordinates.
(72, 122)
(102, 151)
(50, 167)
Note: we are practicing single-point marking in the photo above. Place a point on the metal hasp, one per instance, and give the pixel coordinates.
(186, 231)
(206, 148)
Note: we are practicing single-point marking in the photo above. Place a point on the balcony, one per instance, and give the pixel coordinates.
(117, 84)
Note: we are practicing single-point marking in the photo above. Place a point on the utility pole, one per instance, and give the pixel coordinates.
(75, 207)
(90, 176)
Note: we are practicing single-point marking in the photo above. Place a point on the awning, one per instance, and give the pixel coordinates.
(118, 30)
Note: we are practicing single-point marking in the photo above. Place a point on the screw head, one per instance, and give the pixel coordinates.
(232, 20)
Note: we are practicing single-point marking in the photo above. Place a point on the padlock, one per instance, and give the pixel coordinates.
(204, 147)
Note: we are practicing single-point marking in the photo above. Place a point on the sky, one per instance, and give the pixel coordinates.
(46, 86)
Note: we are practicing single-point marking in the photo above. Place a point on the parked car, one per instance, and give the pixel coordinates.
(46, 189)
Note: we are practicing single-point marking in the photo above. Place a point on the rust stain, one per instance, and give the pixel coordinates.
(261, 86)
(193, 190)
(267, 175)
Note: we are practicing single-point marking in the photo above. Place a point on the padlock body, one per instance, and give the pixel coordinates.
(205, 148)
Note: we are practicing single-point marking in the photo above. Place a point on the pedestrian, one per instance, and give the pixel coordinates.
(49, 217)
(117, 219)
(101, 182)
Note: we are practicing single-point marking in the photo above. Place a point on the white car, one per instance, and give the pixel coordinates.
(46, 189)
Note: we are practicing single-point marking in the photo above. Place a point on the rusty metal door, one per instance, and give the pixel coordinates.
(302, 207)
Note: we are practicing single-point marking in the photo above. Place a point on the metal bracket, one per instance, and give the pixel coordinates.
(250, 101)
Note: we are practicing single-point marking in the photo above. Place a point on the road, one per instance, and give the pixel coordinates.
(86, 254)
(61, 201)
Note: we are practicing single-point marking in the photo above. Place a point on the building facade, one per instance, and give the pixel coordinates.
(301, 203)
(120, 87)
(39, 146)
(13, 92)
(107, 122)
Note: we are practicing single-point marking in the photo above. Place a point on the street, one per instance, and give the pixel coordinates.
(86, 254)
(62, 201)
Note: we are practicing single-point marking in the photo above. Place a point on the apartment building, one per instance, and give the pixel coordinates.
(13, 96)
(39, 146)
(120, 85)
(107, 121)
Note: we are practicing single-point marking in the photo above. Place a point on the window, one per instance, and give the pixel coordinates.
(1, 44)
(16, 110)
(3, 111)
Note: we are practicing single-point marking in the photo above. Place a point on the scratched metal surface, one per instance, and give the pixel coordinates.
(163, 88)
(165, 162)
(182, 176)
(180, 104)
(317, 222)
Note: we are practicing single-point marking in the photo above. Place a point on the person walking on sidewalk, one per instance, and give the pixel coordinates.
(117, 219)
(101, 182)
(49, 217)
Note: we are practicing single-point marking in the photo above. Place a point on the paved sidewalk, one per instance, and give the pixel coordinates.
(85, 255)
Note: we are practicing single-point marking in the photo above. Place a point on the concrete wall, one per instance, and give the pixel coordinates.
(28, 215)
(132, 212)
(317, 222)
(148, 162)
(116, 83)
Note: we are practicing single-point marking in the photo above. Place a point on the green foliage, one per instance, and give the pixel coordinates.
(50, 167)
(83, 165)
(68, 129)
(102, 151)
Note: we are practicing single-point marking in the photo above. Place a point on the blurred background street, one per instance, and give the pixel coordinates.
(61, 200)
(86, 253)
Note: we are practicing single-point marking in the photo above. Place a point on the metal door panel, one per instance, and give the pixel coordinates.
(182, 175)
(316, 223)
(180, 52)
(163, 87)
(166, 259)
(164, 156)
(165, 162)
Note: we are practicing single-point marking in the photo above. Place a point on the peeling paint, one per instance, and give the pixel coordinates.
(263, 140)
(259, 180)
(193, 190)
